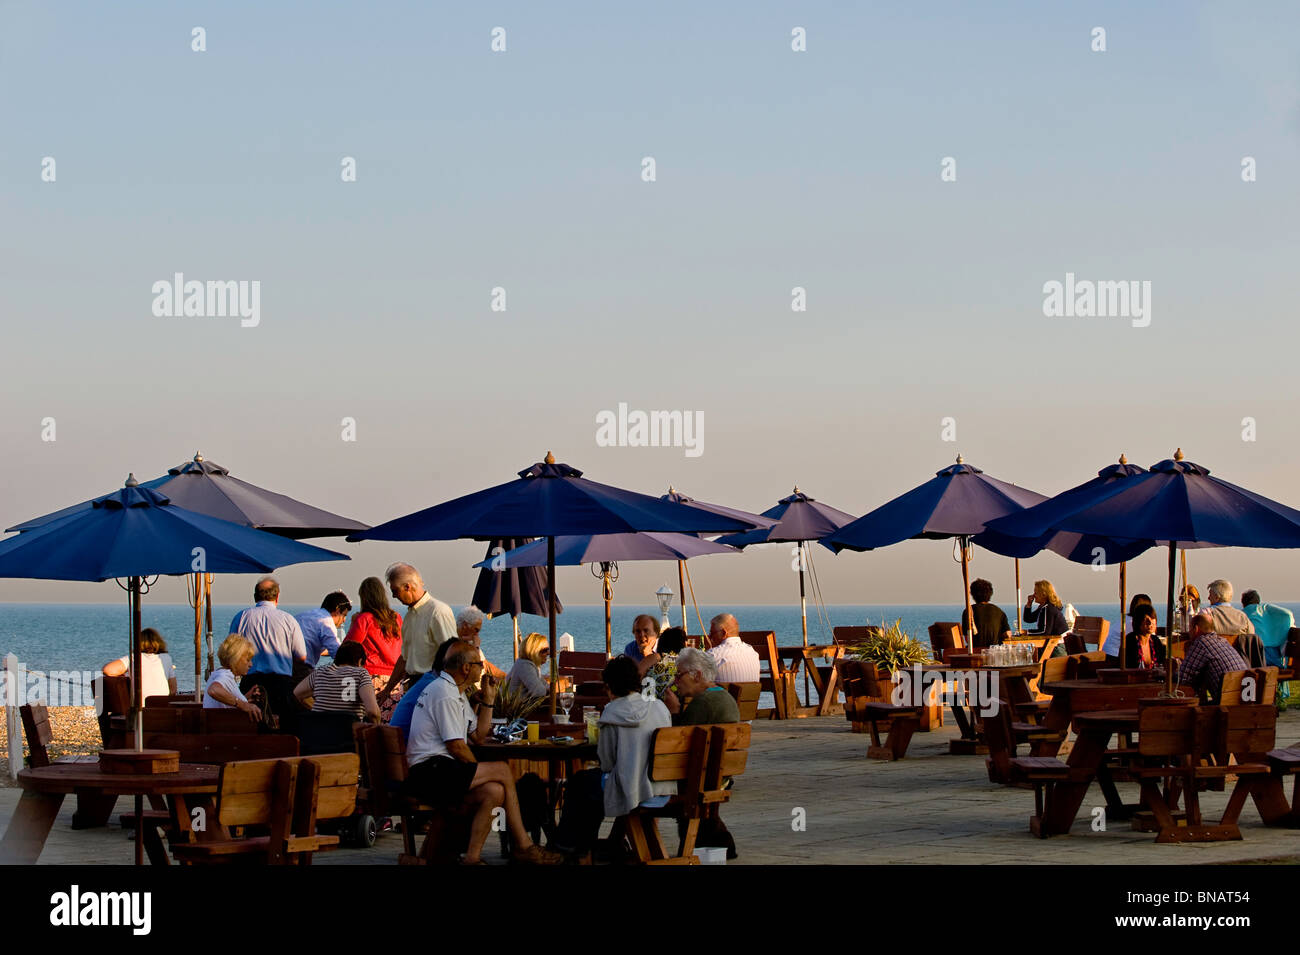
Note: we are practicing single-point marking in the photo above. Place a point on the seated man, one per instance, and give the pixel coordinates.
(1272, 625)
(405, 708)
(991, 625)
(622, 783)
(1231, 622)
(443, 771)
(1209, 657)
(736, 660)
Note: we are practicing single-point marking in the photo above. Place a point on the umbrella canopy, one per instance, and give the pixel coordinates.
(758, 520)
(207, 488)
(139, 532)
(794, 519)
(550, 500)
(958, 501)
(597, 548)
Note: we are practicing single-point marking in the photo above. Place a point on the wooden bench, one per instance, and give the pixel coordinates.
(196, 720)
(849, 637)
(92, 810)
(1003, 734)
(289, 797)
(1088, 632)
(386, 770)
(698, 759)
(1174, 743)
(867, 707)
(944, 638)
(1257, 685)
(746, 697)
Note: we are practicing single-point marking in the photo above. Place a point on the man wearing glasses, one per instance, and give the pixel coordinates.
(443, 771)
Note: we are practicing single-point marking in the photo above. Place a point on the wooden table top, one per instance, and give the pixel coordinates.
(1020, 669)
(1114, 721)
(69, 778)
(1094, 684)
(540, 750)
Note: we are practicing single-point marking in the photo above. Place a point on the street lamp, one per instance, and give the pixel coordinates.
(665, 597)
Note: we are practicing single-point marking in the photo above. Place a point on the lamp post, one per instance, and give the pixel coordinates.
(665, 597)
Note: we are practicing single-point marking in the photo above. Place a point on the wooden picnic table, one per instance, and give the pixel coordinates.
(1072, 697)
(1088, 761)
(548, 759)
(1013, 688)
(824, 678)
(45, 787)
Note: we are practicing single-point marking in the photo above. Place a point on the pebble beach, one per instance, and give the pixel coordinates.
(75, 731)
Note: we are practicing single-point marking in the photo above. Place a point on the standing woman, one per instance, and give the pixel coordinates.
(1048, 615)
(379, 631)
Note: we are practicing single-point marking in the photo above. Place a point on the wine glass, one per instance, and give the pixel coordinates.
(565, 699)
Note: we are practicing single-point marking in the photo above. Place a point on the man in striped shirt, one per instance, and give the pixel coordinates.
(1209, 657)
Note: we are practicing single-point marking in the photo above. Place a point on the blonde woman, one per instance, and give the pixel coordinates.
(1048, 615)
(222, 692)
(527, 671)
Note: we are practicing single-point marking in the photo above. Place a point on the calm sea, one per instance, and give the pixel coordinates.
(79, 637)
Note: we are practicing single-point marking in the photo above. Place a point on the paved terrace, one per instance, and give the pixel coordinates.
(928, 808)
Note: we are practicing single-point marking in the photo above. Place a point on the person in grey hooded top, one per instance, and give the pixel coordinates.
(623, 782)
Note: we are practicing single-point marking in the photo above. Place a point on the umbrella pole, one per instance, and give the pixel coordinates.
(965, 583)
(1186, 624)
(803, 614)
(1020, 624)
(608, 592)
(137, 706)
(207, 601)
(1123, 599)
(550, 609)
(198, 638)
(681, 589)
(515, 620)
(1169, 619)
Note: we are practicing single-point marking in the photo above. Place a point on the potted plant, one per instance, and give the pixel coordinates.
(891, 649)
(516, 704)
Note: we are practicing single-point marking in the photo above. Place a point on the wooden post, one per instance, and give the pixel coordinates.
(515, 620)
(1020, 624)
(1169, 619)
(607, 592)
(13, 724)
(198, 638)
(971, 629)
(550, 609)
(207, 602)
(681, 589)
(1123, 606)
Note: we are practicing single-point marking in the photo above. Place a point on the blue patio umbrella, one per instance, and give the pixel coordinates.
(1178, 502)
(958, 501)
(513, 591)
(796, 519)
(205, 487)
(604, 551)
(683, 575)
(549, 500)
(136, 533)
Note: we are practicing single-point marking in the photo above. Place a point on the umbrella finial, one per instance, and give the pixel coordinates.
(550, 458)
(1123, 458)
(671, 489)
(131, 481)
(959, 458)
(1178, 455)
(198, 457)
(796, 489)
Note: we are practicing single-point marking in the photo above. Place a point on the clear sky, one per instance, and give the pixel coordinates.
(774, 169)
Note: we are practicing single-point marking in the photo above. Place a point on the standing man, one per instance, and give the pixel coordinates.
(1272, 626)
(444, 771)
(320, 627)
(277, 644)
(736, 660)
(1231, 622)
(428, 622)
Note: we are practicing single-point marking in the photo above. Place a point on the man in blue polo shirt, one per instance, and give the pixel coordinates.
(320, 627)
(278, 642)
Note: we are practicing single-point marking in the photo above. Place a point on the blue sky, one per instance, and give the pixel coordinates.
(521, 170)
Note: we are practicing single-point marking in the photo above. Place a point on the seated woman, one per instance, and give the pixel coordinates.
(622, 783)
(1143, 650)
(1048, 616)
(222, 692)
(991, 625)
(342, 687)
(534, 655)
(661, 665)
(155, 662)
(1112, 645)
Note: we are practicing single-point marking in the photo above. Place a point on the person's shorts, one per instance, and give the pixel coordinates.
(440, 780)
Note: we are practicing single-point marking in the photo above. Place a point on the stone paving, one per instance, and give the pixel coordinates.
(928, 808)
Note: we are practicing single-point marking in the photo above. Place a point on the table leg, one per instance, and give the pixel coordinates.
(830, 691)
(29, 828)
(1065, 798)
(1270, 800)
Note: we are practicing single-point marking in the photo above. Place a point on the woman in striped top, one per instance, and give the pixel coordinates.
(343, 687)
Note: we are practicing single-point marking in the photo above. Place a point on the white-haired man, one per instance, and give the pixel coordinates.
(736, 660)
(1231, 622)
(428, 623)
(469, 622)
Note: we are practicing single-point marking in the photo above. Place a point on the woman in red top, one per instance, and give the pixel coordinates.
(377, 628)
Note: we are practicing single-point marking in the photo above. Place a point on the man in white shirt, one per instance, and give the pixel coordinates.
(443, 771)
(428, 623)
(737, 661)
(1231, 622)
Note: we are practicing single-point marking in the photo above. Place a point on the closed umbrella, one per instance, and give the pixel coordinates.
(501, 589)
(605, 551)
(549, 500)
